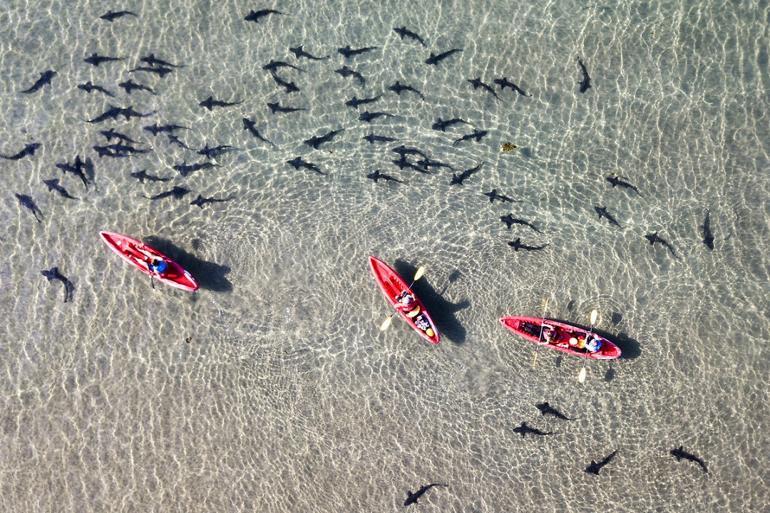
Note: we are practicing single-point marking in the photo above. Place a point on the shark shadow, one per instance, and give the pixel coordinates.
(441, 311)
(209, 275)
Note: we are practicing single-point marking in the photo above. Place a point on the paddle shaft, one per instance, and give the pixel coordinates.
(594, 315)
(542, 321)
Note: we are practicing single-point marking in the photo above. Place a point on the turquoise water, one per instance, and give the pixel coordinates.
(287, 396)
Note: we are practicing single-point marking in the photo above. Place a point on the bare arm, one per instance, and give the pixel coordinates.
(145, 263)
(149, 254)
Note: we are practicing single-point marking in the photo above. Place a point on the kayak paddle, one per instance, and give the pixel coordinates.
(583, 372)
(417, 275)
(545, 307)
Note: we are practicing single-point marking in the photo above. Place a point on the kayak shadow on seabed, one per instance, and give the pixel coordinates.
(441, 311)
(210, 276)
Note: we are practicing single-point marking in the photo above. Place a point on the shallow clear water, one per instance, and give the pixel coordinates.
(287, 397)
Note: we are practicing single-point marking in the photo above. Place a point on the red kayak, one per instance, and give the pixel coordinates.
(129, 250)
(392, 286)
(532, 327)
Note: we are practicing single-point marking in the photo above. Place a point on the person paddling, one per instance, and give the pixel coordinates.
(155, 264)
(594, 345)
(549, 334)
(406, 303)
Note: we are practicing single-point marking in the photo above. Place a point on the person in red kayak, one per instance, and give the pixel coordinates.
(406, 303)
(594, 344)
(549, 334)
(156, 265)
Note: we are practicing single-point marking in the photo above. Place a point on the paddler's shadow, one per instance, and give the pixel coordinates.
(441, 311)
(210, 276)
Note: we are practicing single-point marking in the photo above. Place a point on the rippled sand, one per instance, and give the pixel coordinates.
(287, 397)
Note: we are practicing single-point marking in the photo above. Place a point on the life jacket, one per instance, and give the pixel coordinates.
(158, 266)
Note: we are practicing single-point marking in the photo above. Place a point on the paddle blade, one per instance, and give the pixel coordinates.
(386, 324)
(594, 316)
(582, 375)
(419, 273)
